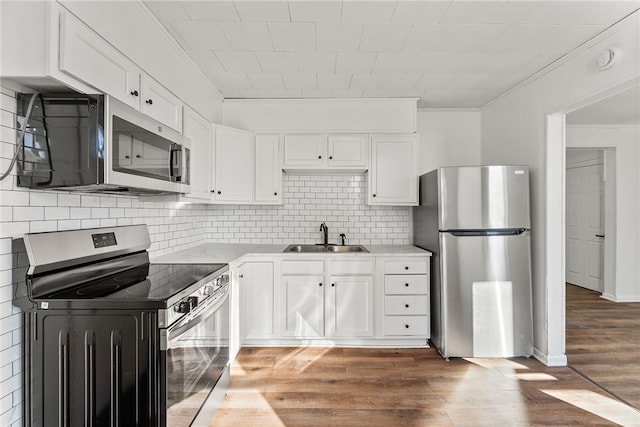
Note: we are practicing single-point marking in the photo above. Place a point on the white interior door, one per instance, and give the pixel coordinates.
(585, 225)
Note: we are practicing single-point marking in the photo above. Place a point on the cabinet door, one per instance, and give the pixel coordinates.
(304, 151)
(234, 165)
(199, 131)
(302, 303)
(347, 151)
(268, 170)
(159, 103)
(393, 172)
(88, 57)
(349, 311)
(256, 280)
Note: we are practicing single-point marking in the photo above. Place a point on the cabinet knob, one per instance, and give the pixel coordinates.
(319, 157)
(406, 284)
(319, 284)
(134, 92)
(138, 156)
(330, 157)
(219, 192)
(213, 191)
(241, 276)
(127, 157)
(406, 326)
(149, 101)
(374, 195)
(333, 284)
(406, 305)
(275, 194)
(406, 267)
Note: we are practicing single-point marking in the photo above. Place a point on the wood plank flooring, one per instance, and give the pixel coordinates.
(603, 342)
(287, 386)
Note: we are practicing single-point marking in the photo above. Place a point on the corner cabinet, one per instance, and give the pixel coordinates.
(268, 177)
(233, 166)
(393, 171)
(200, 132)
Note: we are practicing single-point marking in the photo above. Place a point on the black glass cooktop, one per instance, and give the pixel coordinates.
(158, 282)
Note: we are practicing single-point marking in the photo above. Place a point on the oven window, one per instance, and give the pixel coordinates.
(195, 360)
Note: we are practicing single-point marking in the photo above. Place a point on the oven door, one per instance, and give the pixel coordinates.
(196, 356)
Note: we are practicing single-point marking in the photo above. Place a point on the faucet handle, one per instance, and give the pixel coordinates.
(343, 236)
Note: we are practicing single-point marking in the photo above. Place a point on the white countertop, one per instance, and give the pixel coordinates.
(225, 253)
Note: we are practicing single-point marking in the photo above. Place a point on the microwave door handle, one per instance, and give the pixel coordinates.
(175, 151)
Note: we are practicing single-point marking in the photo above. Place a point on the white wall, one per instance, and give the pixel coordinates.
(448, 138)
(626, 238)
(514, 130)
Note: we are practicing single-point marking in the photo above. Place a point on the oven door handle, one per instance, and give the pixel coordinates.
(210, 307)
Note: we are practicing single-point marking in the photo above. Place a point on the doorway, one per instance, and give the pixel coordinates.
(585, 214)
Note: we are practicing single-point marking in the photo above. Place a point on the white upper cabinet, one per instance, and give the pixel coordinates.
(304, 151)
(159, 103)
(88, 57)
(393, 172)
(268, 185)
(233, 166)
(325, 152)
(200, 132)
(347, 151)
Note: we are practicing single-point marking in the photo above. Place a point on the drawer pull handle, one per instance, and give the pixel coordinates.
(406, 326)
(406, 284)
(406, 267)
(406, 305)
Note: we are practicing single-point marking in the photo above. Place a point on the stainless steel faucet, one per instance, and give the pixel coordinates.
(323, 228)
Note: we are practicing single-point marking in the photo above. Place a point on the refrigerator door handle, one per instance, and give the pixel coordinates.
(496, 232)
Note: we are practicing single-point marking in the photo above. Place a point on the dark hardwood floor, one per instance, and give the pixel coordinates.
(287, 386)
(603, 342)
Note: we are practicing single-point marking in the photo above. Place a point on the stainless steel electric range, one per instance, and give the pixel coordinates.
(111, 339)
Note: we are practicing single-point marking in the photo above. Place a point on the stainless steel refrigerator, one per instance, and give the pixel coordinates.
(475, 221)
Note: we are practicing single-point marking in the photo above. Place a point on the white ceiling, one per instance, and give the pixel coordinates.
(621, 109)
(447, 53)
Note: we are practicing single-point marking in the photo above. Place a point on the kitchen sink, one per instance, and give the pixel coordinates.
(325, 249)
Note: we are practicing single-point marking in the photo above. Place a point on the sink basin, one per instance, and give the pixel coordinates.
(305, 248)
(324, 249)
(346, 248)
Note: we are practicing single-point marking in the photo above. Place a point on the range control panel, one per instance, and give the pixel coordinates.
(102, 240)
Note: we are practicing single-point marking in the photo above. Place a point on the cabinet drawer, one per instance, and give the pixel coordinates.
(406, 267)
(302, 267)
(406, 284)
(406, 325)
(352, 267)
(406, 305)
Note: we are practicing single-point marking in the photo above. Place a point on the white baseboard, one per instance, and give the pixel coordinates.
(624, 298)
(550, 359)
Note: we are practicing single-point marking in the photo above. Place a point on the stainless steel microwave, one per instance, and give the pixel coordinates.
(95, 143)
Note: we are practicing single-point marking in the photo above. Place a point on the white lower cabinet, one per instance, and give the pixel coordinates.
(405, 296)
(363, 300)
(302, 305)
(256, 281)
(349, 308)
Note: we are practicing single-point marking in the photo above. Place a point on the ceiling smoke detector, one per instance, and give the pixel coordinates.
(607, 58)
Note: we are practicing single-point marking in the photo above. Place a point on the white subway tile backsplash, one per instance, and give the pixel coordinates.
(56, 213)
(38, 198)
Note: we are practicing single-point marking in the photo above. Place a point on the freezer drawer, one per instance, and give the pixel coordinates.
(485, 296)
(486, 197)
